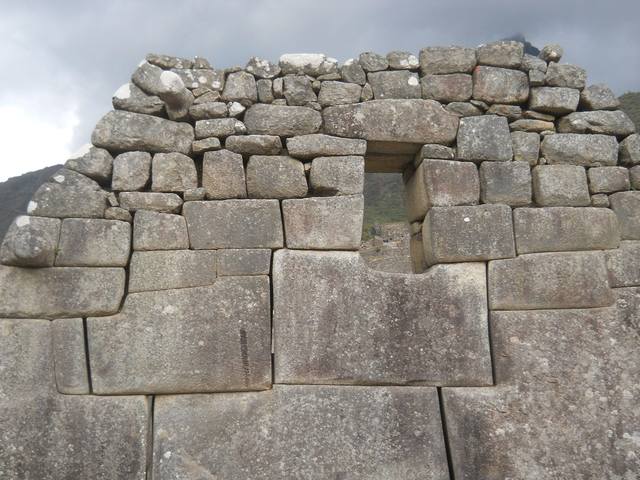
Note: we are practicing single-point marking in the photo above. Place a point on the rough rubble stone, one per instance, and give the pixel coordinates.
(500, 85)
(281, 120)
(554, 100)
(442, 60)
(265, 90)
(275, 176)
(60, 292)
(234, 224)
(511, 112)
(402, 60)
(172, 341)
(173, 172)
(70, 358)
(314, 64)
(373, 62)
(367, 93)
(337, 175)
(201, 78)
(95, 163)
(468, 234)
(64, 201)
(560, 229)
(551, 53)
(339, 93)
(298, 90)
(560, 186)
(526, 147)
(455, 87)
(120, 131)
(529, 63)
(576, 149)
(237, 262)
(484, 138)
(536, 78)
(395, 84)
(463, 109)
(208, 96)
(167, 62)
(352, 72)
(167, 85)
(262, 68)
(626, 206)
(506, 54)
(207, 110)
(131, 171)
(223, 175)
(322, 298)
(132, 99)
(219, 127)
(565, 76)
(158, 202)
(605, 122)
(541, 281)
(210, 144)
(608, 179)
(505, 182)
(254, 144)
(328, 223)
(118, 213)
(435, 151)
(600, 200)
(634, 175)
(533, 126)
(319, 145)
(630, 150)
(624, 264)
(93, 243)
(598, 97)
(30, 242)
(159, 231)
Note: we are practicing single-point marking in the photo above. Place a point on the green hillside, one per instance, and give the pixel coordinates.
(383, 200)
(630, 103)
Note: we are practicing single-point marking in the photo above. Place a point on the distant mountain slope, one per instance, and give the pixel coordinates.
(630, 103)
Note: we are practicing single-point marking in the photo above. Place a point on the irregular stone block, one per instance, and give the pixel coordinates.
(558, 229)
(511, 112)
(337, 175)
(530, 125)
(442, 60)
(132, 99)
(70, 359)
(298, 90)
(30, 242)
(254, 144)
(626, 206)
(605, 122)
(240, 87)
(608, 179)
(131, 171)
(526, 147)
(95, 163)
(503, 53)
(598, 97)
(624, 264)
(630, 150)
(167, 85)
(314, 64)
(399, 60)
(205, 145)
(195, 78)
(219, 127)
(117, 213)
(234, 224)
(60, 292)
(500, 85)
(171, 269)
(394, 84)
(412, 121)
(505, 182)
(93, 243)
(281, 120)
(329, 223)
(455, 87)
(262, 68)
(551, 53)
(173, 341)
(576, 149)
(542, 281)
(468, 234)
(339, 93)
(64, 201)
(373, 62)
(320, 145)
(159, 231)
(434, 151)
(484, 138)
(529, 63)
(120, 131)
(208, 110)
(560, 186)
(352, 72)
(275, 177)
(565, 76)
(342, 297)
(554, 100)
(463, 109)
(168, 62)
(157, 202)
(223, 175)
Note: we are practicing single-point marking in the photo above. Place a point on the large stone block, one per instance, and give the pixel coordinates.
(320, 145)
(189, 340)
(120, 131)
(442, 60)
(173, 172)
(281, 120)
(554, 100)
(412, 121)
(327, 223)
(234, 224)
(223, 175)
(607, 122)
(468, 234)
(155, 201)
(626, 206)
(565, 75)
(337, 175)
(325, 300)
(624, 264)
(95, 163)
(576, 149)
(131, 171)
(60, 292)
(549, 280)
(505, 182)
(560, 186)
(66, 201)
(164, 270)
(275, 176)
(485, 137)
(630, 150)
(70, 357)
(93, 243)
(500, 85)
(394, 84)
(503, 53)
(598, 97)
(159, 231)
(558, 229)
(608, 179)
(455, 87)
(30, 242)
(254, 144)
(339, 93)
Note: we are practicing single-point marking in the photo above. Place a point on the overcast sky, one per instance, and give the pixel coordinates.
(63, 59)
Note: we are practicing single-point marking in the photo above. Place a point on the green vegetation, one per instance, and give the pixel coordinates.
(630, 103)
(383, 200)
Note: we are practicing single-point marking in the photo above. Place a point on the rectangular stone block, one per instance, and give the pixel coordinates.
(548, 281)
(452, 59)
(201, 339)
(223, 175)
(624, 264)
(455, 87)
(327, 223)
(275, 176)
(561, 229)
(468, 234)
(284, 433)
(171, 269)
(31, 242)
(67, 201)
(281, 120)
(60, 292)
(93, 243)
(580, 149)
(70, 357)
(608, 179)
(485, 137)
(626, 206)
(333, 315)
(159, 231)
(158, 202)
(526, 147)
(560, 186)
(320, 145)
(244, 262)
(554, 100)
(394, 84)
(234, 224)
(505, 182)
(337, 175)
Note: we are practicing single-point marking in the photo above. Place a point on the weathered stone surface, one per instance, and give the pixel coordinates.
(171, 269)
(64, 201)
(600, 200)
(93, 243)
(205, 145)
(394, 84)
(484, 138)
(441, 183)
(219, 127)
(60, 292)
(265, 90)
(352, 72)
(441, 60)
(598, 97)
(158, 202)
(254, 144)
(542, 281)
(339, 93)
(240, 87)
(262, 68)
(526, 147)
(234, 224)
(196, 78)
(624, 264)
(554, 100)
(565, 76)
(467, 234)
(167, 62)
(435, 151)
(533, 126)
(551, 53)
(95, 163)
(626, 206)
(500, 85)
(529, 63)
(132, 99)
(504, 53)
(120, 131)
(167, 85)
(373, 62)
(276, 176)
(207, 110)
(576, 149)
(317, 145)
(70, 358)
(298, 90)
(172, 341)
(328, 223)
(159, 231)
(173, 172)
(337, 175)
(558, 229)
(402, 60)
(223, 175)
(463, 109)
(605, 122)
(505, 182)
(30, 242)
(560, 186)
(608, 179)
(244, 262)
(634, 176)
(536, 78)
(340, 296)
(281, 120)
(511, 112)
(630, 150)
(413, 121)
(118, 213)
(218, 434)
(131, 171)
(455, 87)
(314, 64)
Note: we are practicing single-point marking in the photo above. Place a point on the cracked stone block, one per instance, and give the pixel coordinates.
(173, 172)
(93, 243)
(337, 175)
(484, 137)
(284, 432)
(624, 264)
(394, 84)
(275, 176)
(626, 206)
(30, 242)
(159, 231)
(608, 179)
(579, 149)
(154, 201)
(505, 182)
(560, 186)
(131, 171)
(173, 341)
(70, 357)
(319, 145)
(223, 175)
(442, 60)
(236, 262)
(500, 85)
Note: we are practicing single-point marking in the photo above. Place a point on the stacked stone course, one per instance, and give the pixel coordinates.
(184, 299)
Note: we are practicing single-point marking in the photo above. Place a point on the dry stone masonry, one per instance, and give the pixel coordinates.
(185, 299)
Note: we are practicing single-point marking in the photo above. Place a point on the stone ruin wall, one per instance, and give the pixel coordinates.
(185, 300)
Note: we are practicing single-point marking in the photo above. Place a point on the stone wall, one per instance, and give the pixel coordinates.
(185, 298)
